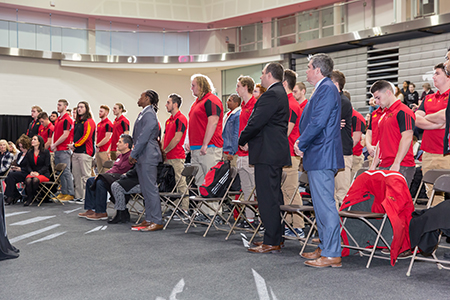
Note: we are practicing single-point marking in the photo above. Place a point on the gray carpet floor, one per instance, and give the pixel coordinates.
(66, 257)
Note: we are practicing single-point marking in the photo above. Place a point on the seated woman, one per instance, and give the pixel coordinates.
(13, 150)
(18, 172)
(38, 160)
(6, 158)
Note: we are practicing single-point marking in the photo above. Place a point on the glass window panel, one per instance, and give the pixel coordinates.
(259, 32)
(176, 44)
(248, 47)
(327, 17)
(74, 40)
(27, 36)
(307, 36)
(43, 37)
(151, 43)
(247, 34)
(124, 43)
(286, 40)
(286, 26)
(4, 33)
(13, 28)
(102, 42)
(56, 40)
(329, 31)
(308, 21)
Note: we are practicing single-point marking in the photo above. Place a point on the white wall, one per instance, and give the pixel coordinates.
(25, 82)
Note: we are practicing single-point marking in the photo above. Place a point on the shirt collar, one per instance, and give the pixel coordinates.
(318, 83)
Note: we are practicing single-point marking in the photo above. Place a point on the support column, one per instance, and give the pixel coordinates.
(267, 33)
(91, 36)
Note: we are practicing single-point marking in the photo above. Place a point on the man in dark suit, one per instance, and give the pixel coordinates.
(147, 155)
(320, 146)
(268, 146)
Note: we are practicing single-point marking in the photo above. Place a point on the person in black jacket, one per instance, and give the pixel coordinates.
(268, 148)
(18, 172)
(38, 161)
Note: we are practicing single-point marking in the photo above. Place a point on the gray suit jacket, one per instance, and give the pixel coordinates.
(145, 133)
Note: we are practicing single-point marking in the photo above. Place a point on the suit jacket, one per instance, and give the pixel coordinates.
(145, 134)
(43, 162)
(266, 130)
(320, 129)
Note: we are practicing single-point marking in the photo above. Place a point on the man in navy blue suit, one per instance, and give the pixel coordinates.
(321, 148)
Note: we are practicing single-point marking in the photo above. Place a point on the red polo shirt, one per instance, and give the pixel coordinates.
(295, 112)
(174, 124)
(373, 124)
(103, 127)
(392, 123)
(121, 124)
(433, 140)
(303, 104)
(358, 124)
(63, 123)
(246, 111)
(46, 132)
(201, 109)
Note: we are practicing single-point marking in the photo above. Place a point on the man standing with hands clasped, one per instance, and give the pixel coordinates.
(320, 146)
(268, 148)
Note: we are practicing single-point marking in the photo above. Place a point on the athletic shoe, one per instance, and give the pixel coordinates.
(297, 234)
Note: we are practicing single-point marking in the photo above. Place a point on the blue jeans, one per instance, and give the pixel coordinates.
(95, 200)
(64, 156)
(321, 183)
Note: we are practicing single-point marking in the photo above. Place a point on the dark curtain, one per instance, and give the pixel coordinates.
(12, 126)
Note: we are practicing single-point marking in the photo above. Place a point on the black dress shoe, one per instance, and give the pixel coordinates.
(27, 203)
(10, 200)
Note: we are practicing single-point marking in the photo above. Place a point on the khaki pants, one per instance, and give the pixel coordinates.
(204, 163)
(100, 159)
(232, 162)
(52, 161)
(434, 161)
(178, 167)
(357, 164)
(81, 170)
(247, 177)
(342, 180)
(289, 188)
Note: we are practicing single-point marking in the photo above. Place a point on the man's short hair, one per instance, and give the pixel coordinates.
(127, 139)
(204, 83)
(324, 63)
(440, 66)
(248, 82)
(276, 69)
(64, 101)
(412, 84)
(69, 110)
(301, 86)
(381, 85)
(426, 85)
(291, 78)
(235, 98)
(176, 99)
(42, 115)
(37, 108)
(105, 107)
(55, 113)
(339, 77)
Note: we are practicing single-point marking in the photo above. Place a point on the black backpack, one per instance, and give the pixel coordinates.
(166, 178)
(216, 181)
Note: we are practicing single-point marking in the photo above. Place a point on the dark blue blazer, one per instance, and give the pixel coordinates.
(320, 129)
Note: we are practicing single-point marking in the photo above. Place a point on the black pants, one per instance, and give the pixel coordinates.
(270, 197)
(11, 181)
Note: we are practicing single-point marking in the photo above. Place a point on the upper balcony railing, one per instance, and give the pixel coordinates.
(299, 27)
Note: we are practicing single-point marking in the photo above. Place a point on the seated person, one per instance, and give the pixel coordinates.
(6, 158)
(38, 164)
(13, 150)
(97, 187)
(127, 184)
(19, 171)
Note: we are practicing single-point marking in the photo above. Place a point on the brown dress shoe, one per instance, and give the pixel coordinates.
(142, 224)
(315, 241)
(86, 213)
(312, 255)
(265, 249)
(152, 227)
(260, 243)
(97, 216)
(323, 262)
